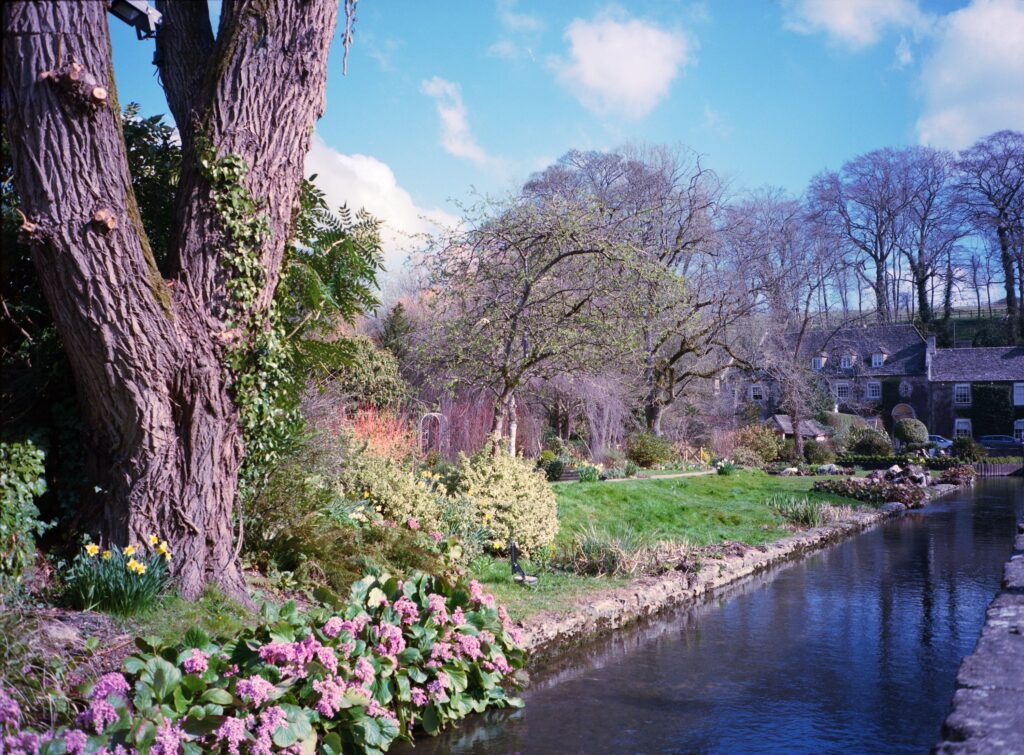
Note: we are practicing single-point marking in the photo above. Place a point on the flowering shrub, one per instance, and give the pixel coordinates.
(590, 472)
(873, 491)
(513, 499)
(393, 489)
(760, 439)
(725, 467)
(121, 581)
(350, 679)
(959, 475)
(385, 433)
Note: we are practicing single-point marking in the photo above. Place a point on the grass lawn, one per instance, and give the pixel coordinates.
(698, 510)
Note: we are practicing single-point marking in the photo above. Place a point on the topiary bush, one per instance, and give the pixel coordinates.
(968, 449)
(911, 431)
(760, 439)
(648, 450)
(513, 499)
(870, 442)
(21, 481)
(818, 453)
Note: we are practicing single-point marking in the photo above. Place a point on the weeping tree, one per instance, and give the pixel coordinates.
(165, 362)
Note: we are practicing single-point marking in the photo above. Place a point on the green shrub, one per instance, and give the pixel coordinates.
(368, 375)
(842, 424)
(648, 450)
(725, 467)
(122, 581)
(598, 553)
(552, 464)
(302, 522)
(21, 480)
(512, 498)
(352, 678)
(800, 511)
(631, 470)
(393, 489)
(747, 457)
(911, 431)
(818, 453)
(968, 449)
(870, 442)
(760, 439)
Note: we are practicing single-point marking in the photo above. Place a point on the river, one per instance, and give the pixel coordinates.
(853, 649)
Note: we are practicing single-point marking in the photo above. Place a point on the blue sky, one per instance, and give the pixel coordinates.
(446, 97)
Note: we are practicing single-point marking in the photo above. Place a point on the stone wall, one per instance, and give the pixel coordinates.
(988, 707)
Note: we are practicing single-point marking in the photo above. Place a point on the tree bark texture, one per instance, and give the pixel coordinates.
(148, 354)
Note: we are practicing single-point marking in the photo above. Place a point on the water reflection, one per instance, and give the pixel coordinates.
(854, 649)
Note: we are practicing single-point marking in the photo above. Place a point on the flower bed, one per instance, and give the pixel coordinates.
(960, 475)
(873, 491)
(352, 679)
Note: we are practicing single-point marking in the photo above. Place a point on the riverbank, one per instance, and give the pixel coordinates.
(988, 707)
(547, 635)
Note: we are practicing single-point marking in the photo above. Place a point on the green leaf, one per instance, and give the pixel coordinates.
(166, 677)
(217, 696)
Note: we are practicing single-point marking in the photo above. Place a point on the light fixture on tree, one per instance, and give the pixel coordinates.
(139, 14)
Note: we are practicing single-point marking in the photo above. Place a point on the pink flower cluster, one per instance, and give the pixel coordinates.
(232, 731)
(478, 596)
(270, 721)
(437, 606)
(169, 738)
(412, 523)
(408, 610)
(254, 689)
(390, 641)
(336, 625)
(292, 657)
(197, 662)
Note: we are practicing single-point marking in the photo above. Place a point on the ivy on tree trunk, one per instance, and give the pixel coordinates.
(149, 354)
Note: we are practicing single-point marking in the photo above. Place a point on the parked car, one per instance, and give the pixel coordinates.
(941, 444)
(1000, 443)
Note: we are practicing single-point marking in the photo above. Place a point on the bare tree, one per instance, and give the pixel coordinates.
(666, 205)
(992, 185)
(862, 205)
(148, 354)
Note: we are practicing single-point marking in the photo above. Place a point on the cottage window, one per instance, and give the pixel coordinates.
(1018, 394)
(962, 428)
(846, 362)
(962, 394)
(818, 363)
(756, 393)
(874, 390)
(842, 391)
(877, 360)
(1018, 430)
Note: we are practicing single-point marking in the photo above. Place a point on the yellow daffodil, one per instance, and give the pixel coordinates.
(129, 550)
(132, 564)
(107, 555)
(162, 548)
(498, 545)
(153, 540)
(366, 494)
(140, 569)
(92, 549)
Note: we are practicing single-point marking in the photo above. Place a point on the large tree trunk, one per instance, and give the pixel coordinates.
(1006, 259)
(147, 354)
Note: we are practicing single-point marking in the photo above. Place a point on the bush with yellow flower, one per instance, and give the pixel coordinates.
(119, 580)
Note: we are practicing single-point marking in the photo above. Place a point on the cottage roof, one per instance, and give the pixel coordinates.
(809, 428)
(902, 344)
(978, 363)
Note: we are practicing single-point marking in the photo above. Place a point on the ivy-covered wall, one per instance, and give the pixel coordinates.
(991, 411)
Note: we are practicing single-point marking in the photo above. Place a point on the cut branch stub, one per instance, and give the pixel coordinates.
(104, 220)
(80, 84)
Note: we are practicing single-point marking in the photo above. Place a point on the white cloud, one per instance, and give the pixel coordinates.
(854, 23)
(973, 80)
(362, 181)
(456, 136)
(519, 32)
(904, 55)
(621, 65)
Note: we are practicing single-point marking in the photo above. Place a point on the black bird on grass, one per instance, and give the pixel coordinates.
(518, 575)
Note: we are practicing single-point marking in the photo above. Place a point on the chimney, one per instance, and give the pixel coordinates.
(931, 344)
(929, 352)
